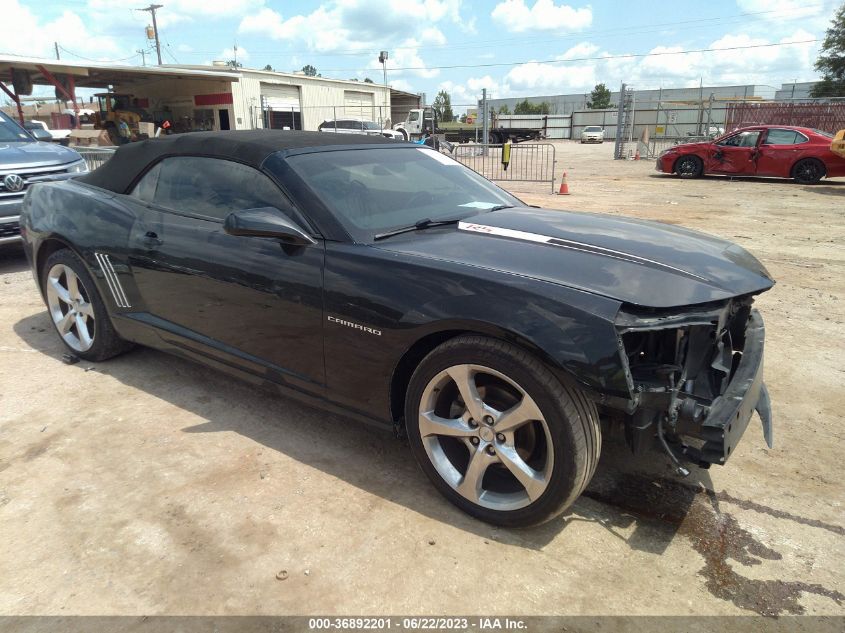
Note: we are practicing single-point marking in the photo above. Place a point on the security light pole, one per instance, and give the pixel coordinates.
(152, 9)
(382, 57)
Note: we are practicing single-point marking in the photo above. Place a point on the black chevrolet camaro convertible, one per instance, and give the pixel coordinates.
(387, 281)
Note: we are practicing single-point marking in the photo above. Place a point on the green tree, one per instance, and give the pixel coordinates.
(268, 67)
(234, 63)
(525, 107)
(443, 106)
(367, 80)
(463, 118)
(599, 98)
(831, 61)
(309, 71)
(504, 109)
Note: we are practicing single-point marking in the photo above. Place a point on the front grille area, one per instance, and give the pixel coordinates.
(29, 176)
(10, 229)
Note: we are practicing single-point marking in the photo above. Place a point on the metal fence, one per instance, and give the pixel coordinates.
(653, 147)
(529, 162)
(829, 117)
(96, 156)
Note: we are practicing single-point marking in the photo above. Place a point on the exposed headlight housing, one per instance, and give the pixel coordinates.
(79, 167)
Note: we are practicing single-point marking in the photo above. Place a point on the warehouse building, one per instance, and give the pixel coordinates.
(193, 98)
(574, 102)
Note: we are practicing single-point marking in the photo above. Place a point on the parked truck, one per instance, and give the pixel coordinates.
(422, 122)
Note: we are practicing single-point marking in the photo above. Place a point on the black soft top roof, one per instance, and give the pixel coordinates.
(246, 146)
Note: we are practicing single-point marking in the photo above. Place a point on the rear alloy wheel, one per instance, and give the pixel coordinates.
(498, 434)
(689, 167)
(808, 171)
(76, 310)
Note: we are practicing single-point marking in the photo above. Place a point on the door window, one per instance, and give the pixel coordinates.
(207, 187)
(743, 139)
(784, 137)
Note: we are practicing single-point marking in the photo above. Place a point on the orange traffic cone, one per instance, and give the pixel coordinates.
(564, 188)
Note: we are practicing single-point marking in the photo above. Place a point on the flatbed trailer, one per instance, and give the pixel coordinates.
(422, 123)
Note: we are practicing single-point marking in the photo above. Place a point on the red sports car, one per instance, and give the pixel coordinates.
(763, 150)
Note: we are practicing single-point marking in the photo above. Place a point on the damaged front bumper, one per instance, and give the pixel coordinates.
(729, 414)
(696, 379)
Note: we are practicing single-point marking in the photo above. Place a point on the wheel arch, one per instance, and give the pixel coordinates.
(426, 343)
(804, 158)
(687, 155)
(47, 247)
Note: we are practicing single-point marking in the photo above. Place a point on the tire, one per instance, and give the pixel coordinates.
(808, 171)
(529, 420)
(77, 310)
(404, 134)
(689, 166)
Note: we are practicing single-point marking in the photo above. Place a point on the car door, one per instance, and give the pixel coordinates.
(735, 154)
(779, 150)
(249, 301)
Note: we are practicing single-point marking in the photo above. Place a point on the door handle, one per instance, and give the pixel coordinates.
(151, 240)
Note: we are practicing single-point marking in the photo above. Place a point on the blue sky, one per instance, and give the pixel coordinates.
(510, 47)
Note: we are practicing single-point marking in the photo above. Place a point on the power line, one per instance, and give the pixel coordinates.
(585, 59)
(101, 61)
(628, 30)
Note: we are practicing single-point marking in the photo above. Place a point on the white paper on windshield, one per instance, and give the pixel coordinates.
(440, 158)
(476, 204)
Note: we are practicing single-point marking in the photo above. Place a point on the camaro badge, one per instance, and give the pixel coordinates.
(354, 326)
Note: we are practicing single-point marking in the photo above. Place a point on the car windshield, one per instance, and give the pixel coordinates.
(369, 125)
(373, 191)
(11, 132)
(592, 128)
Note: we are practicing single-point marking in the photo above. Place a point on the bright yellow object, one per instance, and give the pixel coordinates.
(506, 155)
(837, 146)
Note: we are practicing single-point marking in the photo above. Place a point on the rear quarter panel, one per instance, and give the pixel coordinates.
(85, 219)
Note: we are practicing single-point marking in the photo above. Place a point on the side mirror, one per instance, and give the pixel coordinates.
(266, 222)
(41, 134)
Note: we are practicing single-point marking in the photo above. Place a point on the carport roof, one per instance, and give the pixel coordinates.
(102, 75)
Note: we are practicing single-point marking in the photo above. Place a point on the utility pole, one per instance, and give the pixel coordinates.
(485, 131)
(152, 9)
(382, 57)
(143, 56)
(56, 45)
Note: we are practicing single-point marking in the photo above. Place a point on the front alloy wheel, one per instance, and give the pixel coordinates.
(70, 308)
(76, 308)
(486, 437)
(498, 433)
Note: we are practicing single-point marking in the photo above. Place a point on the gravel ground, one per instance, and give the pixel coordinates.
(149, 485)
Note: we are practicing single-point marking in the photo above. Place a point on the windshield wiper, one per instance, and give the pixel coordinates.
(426, 223)
(499, 207)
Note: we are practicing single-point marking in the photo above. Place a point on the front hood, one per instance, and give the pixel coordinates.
(634, 261)
(34, 154)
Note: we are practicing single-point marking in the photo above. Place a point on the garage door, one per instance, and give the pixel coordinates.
(281, 106)
(358, 104)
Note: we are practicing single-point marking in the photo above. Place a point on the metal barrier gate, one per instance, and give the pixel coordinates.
(96, 156)
(529, 162)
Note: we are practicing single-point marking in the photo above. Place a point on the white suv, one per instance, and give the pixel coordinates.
(352, 125)
(592, 134)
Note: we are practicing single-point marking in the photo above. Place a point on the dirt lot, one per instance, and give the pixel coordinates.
(148, 485)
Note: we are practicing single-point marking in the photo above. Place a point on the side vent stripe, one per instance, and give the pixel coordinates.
(112, 280)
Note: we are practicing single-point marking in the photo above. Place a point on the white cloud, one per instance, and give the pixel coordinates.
(174, 11)
(229, 53)
(355, 24)
(432, 35)
(406, 55)
(28, 35)
(545, 15)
